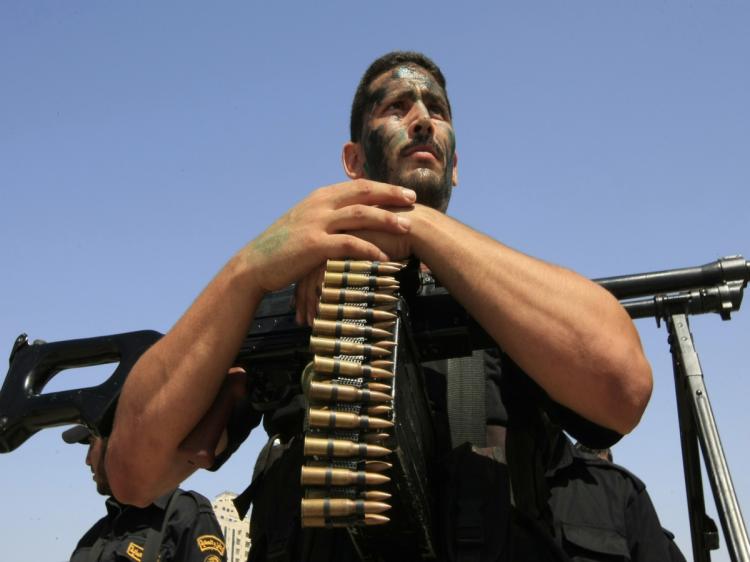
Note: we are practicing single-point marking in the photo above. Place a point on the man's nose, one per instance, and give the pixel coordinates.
(421, 125)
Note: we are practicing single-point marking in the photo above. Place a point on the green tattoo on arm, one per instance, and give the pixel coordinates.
(270, 243)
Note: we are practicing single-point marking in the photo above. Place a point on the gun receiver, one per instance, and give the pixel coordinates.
(276, 349)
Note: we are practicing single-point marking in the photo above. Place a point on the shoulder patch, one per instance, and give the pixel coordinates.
(135, 551)
(210, 543)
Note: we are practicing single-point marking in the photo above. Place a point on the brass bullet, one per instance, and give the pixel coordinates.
(362, 266)
(368, 519)
(333, 418)
(348, 329)
(343, 347)
(382, 364)
(345, 393)
(326, 476)
(341, 296)
(340, 507)
(324, 364)
(377, 466)
(374, 437)
(359, 280)
(316, 446)
(378, 410)
(377, 495)
(349, 312)
(379, 387)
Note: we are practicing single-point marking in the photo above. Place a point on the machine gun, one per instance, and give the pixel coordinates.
(276, 350)
(273, 354)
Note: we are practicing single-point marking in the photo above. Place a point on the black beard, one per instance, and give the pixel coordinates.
(432, 189)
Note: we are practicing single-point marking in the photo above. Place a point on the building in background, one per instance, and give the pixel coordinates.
(236, 531)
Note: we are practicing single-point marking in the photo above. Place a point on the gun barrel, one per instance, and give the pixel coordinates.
(724, 270)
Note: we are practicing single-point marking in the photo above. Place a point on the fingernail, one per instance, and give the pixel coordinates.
(409, 194)
(404, 222)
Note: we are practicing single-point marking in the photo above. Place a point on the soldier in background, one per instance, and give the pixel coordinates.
(598, 504)
(180, 525)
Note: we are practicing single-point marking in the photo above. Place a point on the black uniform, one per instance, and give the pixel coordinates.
(192, 532)
(534, 422)
(566, 505)
(603, 512)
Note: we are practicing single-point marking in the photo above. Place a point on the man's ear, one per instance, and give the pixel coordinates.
(353, 159)
(454, 173)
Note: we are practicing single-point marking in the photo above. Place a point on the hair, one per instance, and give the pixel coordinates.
(378, 67)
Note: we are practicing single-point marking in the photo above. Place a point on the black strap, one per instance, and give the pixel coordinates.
(466, 399)
(154, 538)
(265, 459)
(468, 424)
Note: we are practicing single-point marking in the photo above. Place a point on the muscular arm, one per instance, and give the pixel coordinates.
(570, 335)
(173, 385)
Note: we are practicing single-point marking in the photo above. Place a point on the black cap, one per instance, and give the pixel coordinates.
(77, 434)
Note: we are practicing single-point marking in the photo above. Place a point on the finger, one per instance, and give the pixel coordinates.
(341, 246)
(313, 295)
(364, 217)
(306, 292)
(367, 192)
(397, 247)
(237, 381)
(299, 301)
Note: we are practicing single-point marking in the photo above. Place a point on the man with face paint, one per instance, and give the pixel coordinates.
(560, 333)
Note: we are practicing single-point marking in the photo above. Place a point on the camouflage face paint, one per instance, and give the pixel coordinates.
(386, 136)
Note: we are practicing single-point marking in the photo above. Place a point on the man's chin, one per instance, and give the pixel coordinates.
(432, 189)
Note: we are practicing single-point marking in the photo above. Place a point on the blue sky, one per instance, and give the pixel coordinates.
(142, 144)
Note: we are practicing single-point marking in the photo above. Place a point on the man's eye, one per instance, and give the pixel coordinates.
(437, 111)
(395, 106)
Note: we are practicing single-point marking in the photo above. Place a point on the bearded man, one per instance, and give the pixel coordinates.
(557, 333)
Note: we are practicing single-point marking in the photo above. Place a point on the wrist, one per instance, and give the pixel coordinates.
(243, 273)
(424, 222)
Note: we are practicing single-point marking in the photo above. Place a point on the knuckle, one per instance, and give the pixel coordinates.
(364, 187)
(349, 245)
(358, 212)
(308, 238)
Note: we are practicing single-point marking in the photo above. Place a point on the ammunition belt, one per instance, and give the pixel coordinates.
(349, 389)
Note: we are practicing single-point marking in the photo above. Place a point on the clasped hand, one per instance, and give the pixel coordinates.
(359, 219)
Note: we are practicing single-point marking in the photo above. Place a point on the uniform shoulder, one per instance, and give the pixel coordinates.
(94, 532)
(594, 463)
(192, 499)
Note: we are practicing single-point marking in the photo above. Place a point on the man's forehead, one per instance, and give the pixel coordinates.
(405, 76)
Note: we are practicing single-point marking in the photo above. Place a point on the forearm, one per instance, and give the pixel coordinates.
(173, 385)
(570, 335)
